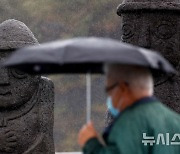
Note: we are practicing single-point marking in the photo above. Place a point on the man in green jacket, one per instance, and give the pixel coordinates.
(142, 124)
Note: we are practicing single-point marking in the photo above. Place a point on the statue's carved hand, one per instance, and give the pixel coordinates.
(8, 141)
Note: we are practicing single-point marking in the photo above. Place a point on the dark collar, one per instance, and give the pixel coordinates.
(143, 100)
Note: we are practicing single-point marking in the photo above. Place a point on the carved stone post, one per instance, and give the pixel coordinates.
(26, 101)
(155, 24)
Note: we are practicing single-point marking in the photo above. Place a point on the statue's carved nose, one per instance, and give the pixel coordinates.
(4, 76)
(144, 38)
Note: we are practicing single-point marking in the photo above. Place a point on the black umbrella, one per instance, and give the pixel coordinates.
(84, 55)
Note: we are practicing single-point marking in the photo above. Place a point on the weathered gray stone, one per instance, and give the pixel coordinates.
(15, 34)
(155, 24)
(26, 101)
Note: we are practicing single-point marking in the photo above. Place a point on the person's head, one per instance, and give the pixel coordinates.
(126, 84)
(16, 87)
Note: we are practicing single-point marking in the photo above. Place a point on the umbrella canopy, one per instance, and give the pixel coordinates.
(82, 55)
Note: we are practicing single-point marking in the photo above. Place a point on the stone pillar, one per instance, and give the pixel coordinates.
(155, 24)
(26, 101)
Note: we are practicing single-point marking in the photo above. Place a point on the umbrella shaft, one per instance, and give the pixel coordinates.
(88, 97)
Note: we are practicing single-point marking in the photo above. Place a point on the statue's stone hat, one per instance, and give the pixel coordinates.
(148, 5)
(15, 34)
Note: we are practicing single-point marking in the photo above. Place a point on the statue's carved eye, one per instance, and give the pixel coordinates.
(165, 30)
(128, 31)
(18, 74)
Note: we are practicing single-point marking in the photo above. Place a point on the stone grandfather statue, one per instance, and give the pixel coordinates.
(26, 101)
(155, 24)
